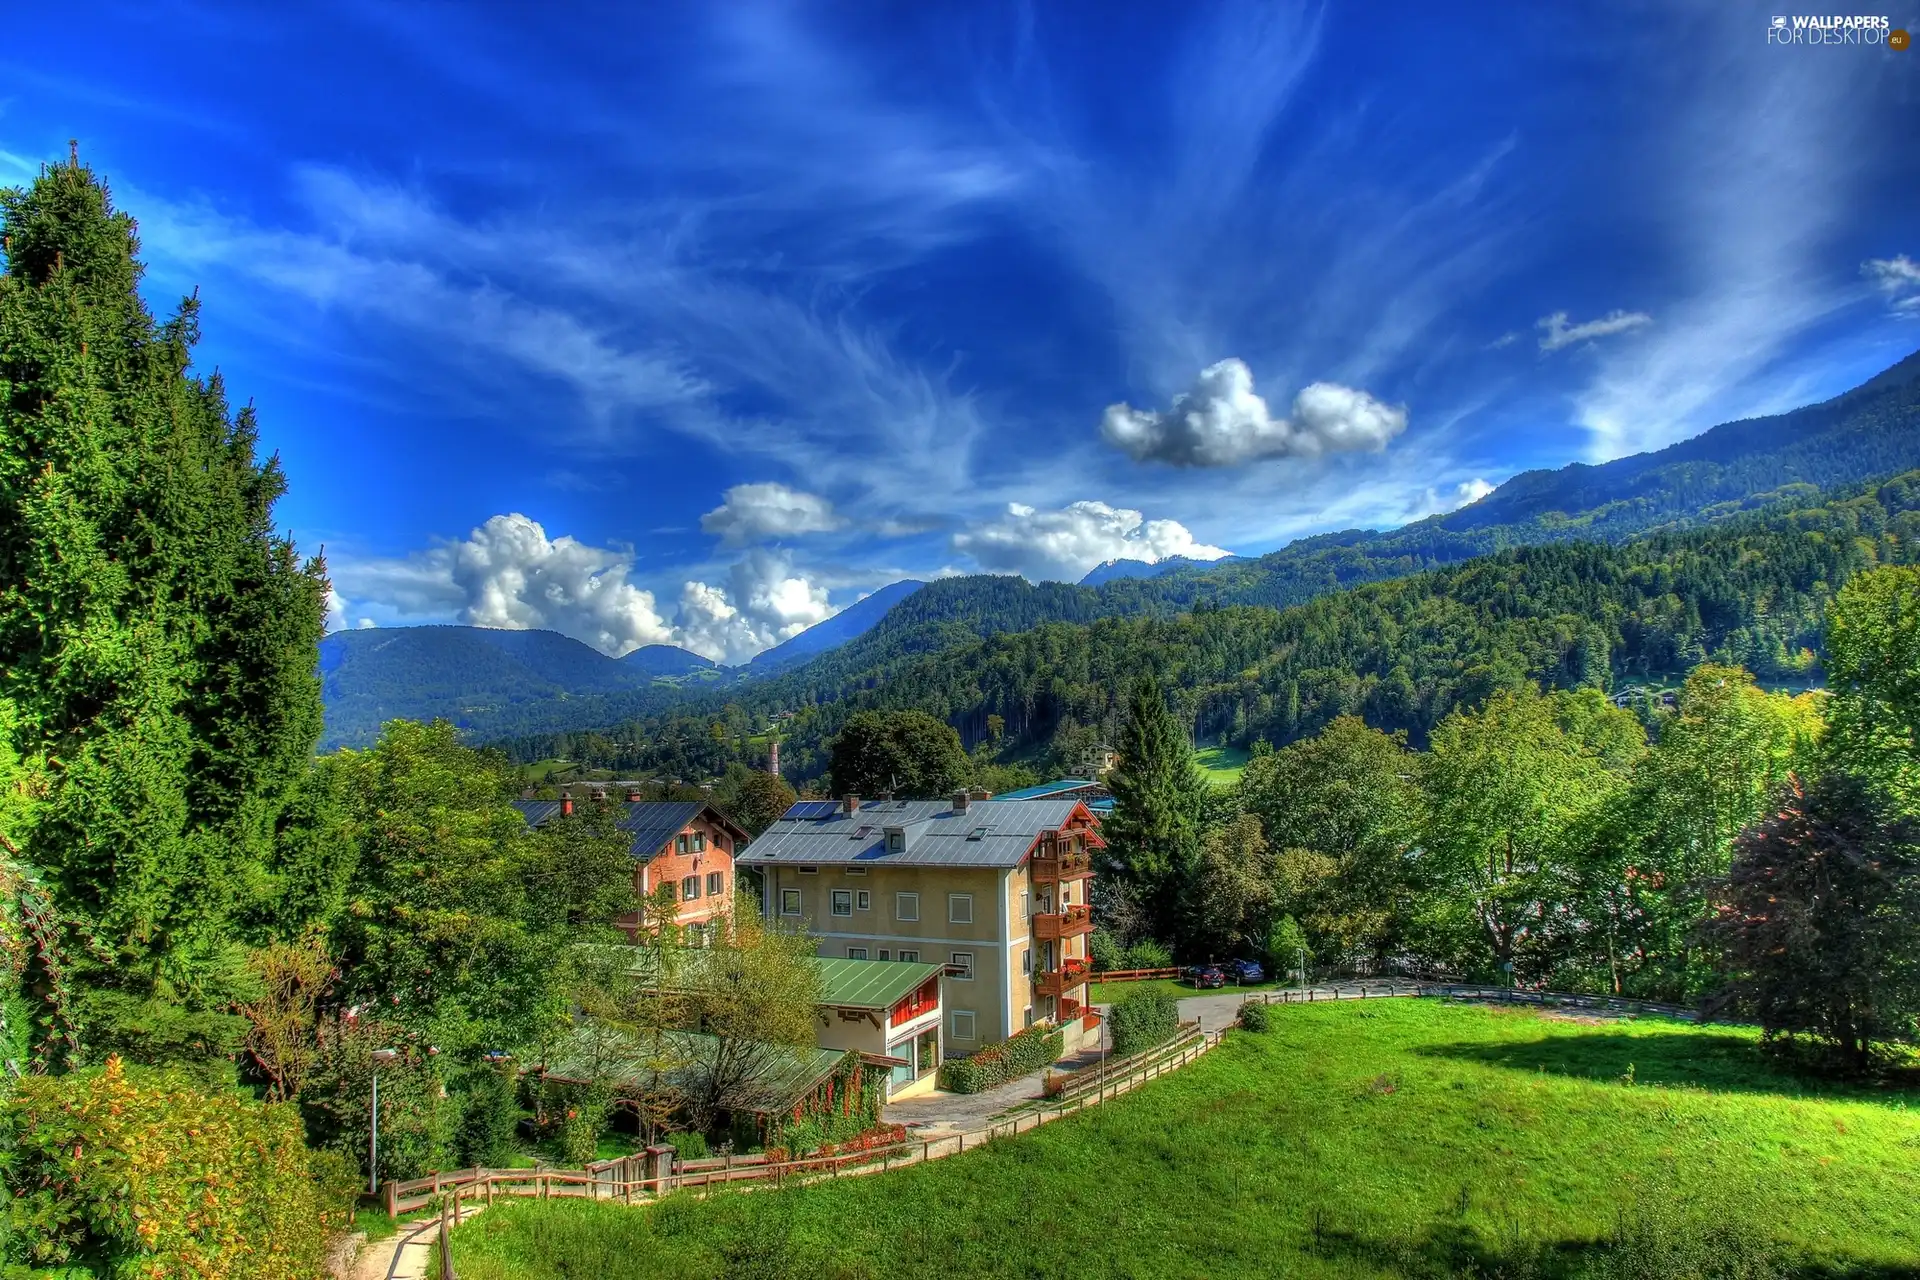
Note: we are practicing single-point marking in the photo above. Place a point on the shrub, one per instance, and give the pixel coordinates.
(1148, 954)
(488, 1118)
(1142, 1020)
(1254, 1016)
(337, 1099)
(688, 1146)
(1029, 1050)
(1106, 951)
(147, 1173)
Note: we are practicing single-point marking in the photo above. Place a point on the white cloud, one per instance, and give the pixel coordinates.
(1063, 545)
(753, 512)
(764, 603)
(1470, 491)
(1898, 277)
(510, 573)
(1221, 422)
(336, 619)
(1556, 333)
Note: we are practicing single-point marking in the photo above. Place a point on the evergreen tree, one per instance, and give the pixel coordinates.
(157, 635)
(1159, 800)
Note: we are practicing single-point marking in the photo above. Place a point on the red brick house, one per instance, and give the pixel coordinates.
(688, 844)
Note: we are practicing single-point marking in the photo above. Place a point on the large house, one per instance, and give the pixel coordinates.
(994, 891)
(688, 844)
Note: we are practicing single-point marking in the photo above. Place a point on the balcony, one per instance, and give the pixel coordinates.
(1067, 864)
(1069, 1009)
(1068, 922)
(1071, 976)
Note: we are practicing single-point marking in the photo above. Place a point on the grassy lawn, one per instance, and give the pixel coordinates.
(1108, 992)
(1386, 1138)
(1224, 765)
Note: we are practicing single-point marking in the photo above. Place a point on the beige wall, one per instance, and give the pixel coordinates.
(934, 935)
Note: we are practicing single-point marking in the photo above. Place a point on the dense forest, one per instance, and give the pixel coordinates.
(1750, 591)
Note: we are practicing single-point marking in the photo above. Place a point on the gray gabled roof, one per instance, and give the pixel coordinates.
(651, 823)
(991, 833)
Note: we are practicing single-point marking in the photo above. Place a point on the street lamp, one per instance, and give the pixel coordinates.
(381, 1058)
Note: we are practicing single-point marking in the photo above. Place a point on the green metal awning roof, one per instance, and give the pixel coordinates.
(870, 984)
(675, 1060)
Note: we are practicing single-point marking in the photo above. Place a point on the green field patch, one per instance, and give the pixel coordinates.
(1223, 765)
(1391, 1138)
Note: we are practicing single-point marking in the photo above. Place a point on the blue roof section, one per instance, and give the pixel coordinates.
(1046, 789)
(652, 823)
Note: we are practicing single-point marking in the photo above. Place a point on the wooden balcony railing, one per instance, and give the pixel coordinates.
(1065, 865)
(1071, 976)
(1068, 922)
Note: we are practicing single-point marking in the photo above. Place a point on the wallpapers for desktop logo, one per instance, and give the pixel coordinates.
(1816, 29)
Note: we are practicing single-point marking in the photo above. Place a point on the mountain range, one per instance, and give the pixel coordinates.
(547, 688)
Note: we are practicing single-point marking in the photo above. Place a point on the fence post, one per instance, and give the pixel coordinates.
(446, 1254)
(393, 1199)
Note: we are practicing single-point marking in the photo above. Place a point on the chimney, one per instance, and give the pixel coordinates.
(850, 805)
(959, 802)
(982, 795)
(566, 804)
(633, 795)
(773, 757)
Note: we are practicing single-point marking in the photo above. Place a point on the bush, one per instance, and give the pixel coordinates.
(1030, 1050)
(688, 1146)
(1106, 951)
(149, 1174)
(336, 1101)
(488, 1119)
(1254, 1016)
(1142, 1020)
(1148, 954)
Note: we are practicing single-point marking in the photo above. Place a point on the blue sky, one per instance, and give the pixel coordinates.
(693, 323)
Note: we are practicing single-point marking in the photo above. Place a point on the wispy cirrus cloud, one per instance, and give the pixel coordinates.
(1556, 331)
(1898, 278)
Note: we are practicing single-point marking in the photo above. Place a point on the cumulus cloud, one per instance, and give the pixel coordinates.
(338, 614)
(754, 512)
(1556, 332)
(1063, 545)
(1898, 277)
(510, 573)
(763, 603)
(1222, 422)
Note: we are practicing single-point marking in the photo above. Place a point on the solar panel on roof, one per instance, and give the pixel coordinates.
(805, 809)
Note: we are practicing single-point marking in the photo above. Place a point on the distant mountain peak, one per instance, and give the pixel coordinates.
(851, 622)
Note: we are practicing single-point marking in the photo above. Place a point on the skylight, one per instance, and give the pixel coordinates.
(977, 833)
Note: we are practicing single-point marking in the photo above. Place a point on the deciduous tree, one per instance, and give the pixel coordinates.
(907, 754)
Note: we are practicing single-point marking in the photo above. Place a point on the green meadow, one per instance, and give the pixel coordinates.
(1223, 765)
(1386, 1138)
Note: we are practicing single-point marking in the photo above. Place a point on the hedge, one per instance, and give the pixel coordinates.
(147, 1174)
(1030, 1050)
(1141, 1020)
(1254, 1016)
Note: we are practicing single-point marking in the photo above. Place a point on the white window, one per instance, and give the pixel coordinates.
(856, 953)
(909, 957)
(962, 1024)
(906, 906)
(1026, 904)
(885, 954)
(961, 964)
(789, 902)
(856, 871)
(1029, 1015)
(843, 902)
(1026, 960)
(690, 888)
(896, 842)
(959, 908)
(716, 883)
(699, 842)
(863, 900)
(680, 843)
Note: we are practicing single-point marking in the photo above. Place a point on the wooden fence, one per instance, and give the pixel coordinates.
(1132, 975)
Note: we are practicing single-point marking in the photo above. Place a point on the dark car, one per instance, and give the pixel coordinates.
(1245, 971)
(1206, 975)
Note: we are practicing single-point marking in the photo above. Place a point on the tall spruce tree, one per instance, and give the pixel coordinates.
(158, 637)
(1159, 799)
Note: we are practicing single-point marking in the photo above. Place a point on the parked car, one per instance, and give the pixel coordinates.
(1245, 971)
(1204, 976)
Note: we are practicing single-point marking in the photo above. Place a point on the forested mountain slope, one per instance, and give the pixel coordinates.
(478, 677)
(1751, 590)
